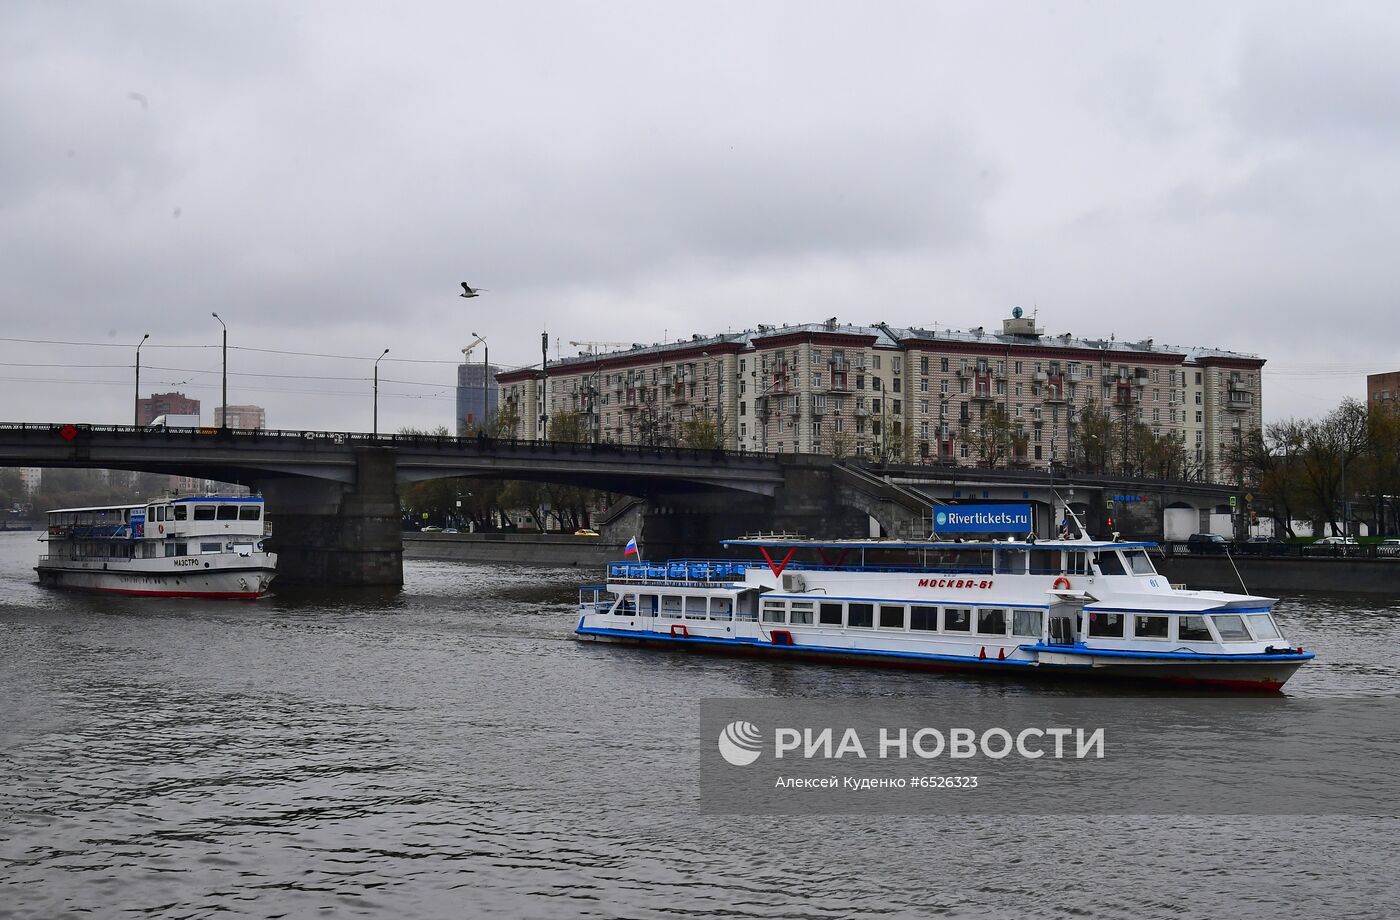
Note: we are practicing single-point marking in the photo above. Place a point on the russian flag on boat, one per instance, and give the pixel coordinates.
(631, 549)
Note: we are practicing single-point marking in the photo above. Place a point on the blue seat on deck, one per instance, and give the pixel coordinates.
(698, 571)
(656, 571)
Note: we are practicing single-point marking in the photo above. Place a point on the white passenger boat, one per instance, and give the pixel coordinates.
(196, 546)
(1070, 606)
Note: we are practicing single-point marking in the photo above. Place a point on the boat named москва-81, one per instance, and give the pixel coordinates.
(1076, 606)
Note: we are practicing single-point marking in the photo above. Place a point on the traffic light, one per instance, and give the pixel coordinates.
(1110, 523)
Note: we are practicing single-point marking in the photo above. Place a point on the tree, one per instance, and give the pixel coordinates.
(1094, 439)
(991, 440)
(11, 489)
(701, 432)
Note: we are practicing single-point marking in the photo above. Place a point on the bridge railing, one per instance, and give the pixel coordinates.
(360, 438)
(1280, 550)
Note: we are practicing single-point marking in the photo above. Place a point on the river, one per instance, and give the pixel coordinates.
(448, 751)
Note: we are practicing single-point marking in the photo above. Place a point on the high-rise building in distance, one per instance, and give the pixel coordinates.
(158, 404)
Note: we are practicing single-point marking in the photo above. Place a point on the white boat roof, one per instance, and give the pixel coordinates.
(778, 541)
(159, 501)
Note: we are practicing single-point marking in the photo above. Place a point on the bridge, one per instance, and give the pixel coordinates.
(332, 497)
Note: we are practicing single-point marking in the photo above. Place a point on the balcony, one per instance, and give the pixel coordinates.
(1126, 397)
(984, 395)
(780, 384)
(818, 407)
(839, 383)
(862, 411)
(1240, 401)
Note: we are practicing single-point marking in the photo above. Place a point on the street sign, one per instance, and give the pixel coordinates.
(1234, 502)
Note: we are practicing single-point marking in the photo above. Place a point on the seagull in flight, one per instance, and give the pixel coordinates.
(469, 291)
(138, 97)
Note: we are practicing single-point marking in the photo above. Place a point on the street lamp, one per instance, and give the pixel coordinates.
(223, 422)
(376, 392)
(485, 372)
(136, 416)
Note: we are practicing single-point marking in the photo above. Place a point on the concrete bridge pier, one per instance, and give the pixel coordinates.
(334, 534)
(685, 524)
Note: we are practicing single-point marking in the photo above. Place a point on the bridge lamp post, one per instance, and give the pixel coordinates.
(376, 392)
(223, 421)
(136, 415)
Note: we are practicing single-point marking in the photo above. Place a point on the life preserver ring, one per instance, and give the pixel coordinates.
(162, 528)
(1061, 582)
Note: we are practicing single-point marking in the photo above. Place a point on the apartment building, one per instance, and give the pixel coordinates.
(907, 394)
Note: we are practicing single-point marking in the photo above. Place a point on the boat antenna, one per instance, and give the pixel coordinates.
(1083, 533)
(1226, 547)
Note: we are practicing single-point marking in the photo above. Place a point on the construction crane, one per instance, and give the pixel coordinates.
(467, 352)
(591, 348)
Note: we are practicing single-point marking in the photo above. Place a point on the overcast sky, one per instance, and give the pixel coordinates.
(324, 174)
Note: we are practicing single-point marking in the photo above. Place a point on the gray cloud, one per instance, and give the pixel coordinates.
(623, 171)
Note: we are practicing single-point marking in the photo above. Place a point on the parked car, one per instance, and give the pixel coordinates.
(431, 528)
(1262, 546)
(1205, 543)
(450, 530)
(1332, 546)
(585, 532)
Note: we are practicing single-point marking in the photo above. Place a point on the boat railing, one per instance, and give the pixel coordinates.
(56, 560)
(710, 571)
(679, 572)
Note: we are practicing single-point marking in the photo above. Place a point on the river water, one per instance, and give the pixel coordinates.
(447, 751)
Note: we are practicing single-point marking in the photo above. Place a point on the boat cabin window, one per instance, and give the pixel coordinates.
(1138, 562)
(1045, 562)
(204, 512)
(695, 608)
(1106, 625)
(1026, 623)
(181, 512)
(774, 611)
(861, 615)
(671, 606)
(170, 549)
(1193, 629)
(1110, 564)
(830, 614)
(801, 613)
(1150, 626)
(721, 608)
(211, 547)
(1010, 562)
(1263, 626)
(1077, 562)
(957, 619)
(1231, 627)
(924, 618)
(891, 617)
(991, 621)
(249, 512)
(228, 512)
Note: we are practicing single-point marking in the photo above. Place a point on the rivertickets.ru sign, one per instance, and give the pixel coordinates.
(982, 519)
